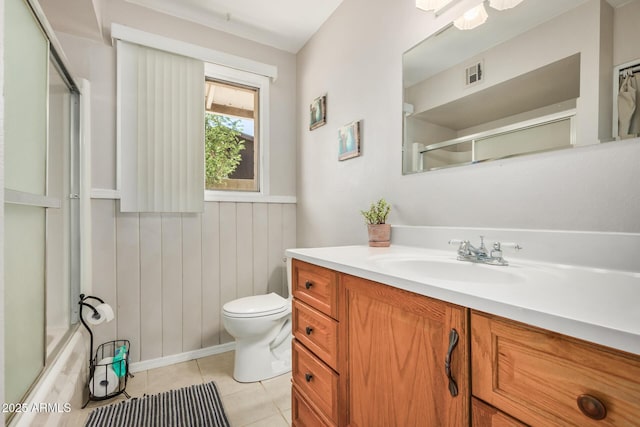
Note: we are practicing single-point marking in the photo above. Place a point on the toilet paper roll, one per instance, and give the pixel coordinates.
(106, 311)
(89, 316)
(104, 380)
(105, 314)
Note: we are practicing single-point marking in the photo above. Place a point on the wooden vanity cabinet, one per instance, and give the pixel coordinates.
(367, 354)
(393, 348)
(543, 378)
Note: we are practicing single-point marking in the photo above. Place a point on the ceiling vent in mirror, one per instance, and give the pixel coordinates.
(474, 74)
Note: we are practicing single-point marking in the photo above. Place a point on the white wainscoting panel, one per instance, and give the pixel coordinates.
(191, 281)
(103, 234)
(150, 286)
(168, 275)
(128, 280)
(211, 321)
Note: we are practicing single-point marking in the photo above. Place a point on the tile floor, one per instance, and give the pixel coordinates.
(263, 404)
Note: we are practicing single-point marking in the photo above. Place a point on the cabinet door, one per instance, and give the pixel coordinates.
(394, 345)
(547, 379)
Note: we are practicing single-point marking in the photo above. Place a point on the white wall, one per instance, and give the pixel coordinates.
(356, 59)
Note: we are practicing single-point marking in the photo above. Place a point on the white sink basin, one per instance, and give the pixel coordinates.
(450, 269)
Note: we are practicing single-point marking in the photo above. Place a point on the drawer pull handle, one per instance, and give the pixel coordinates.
(308, 284)
(308, 330)
(308, 377)
(453, 341)
(592, 407)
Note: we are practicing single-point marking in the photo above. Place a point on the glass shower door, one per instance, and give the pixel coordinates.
(26, 201)
(24, 298)
(41, 218)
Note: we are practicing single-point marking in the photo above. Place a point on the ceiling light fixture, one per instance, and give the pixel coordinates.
(471, 18)
(432, 5)
(504, 4)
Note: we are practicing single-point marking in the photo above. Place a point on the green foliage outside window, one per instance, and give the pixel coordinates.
(222, 147)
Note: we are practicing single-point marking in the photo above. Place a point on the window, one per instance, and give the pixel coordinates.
(235, 142)
(231, 146)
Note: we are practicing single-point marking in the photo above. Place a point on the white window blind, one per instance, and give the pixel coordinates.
(160, 130)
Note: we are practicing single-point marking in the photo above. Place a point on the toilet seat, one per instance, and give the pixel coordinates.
(256, 306)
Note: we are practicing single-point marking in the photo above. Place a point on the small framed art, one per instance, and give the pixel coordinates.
(349, 141)
(318, 112)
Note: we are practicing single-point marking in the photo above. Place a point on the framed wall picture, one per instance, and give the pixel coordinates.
(349, 141)
(318, 112)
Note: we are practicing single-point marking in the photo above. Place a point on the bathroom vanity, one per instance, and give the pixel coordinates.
(378, 346)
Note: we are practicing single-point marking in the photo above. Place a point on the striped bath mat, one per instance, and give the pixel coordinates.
(195, 406)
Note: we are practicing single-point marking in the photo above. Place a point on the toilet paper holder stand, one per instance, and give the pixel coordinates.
(108, 386)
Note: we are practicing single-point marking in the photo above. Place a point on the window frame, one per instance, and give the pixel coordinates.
(262, 83)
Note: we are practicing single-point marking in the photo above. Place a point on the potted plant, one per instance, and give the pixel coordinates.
(376, 217)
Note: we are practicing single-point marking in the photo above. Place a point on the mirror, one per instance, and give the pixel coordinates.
(541, 76)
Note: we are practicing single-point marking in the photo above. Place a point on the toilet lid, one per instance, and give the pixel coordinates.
(257, 305)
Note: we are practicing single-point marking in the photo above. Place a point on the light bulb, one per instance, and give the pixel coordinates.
(432, 5)
(504, 4)
(471, 14)
(471, 18)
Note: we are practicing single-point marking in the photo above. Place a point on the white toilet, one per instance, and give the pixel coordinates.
(261, 325)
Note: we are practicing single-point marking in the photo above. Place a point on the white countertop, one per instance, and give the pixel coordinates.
(593, 304)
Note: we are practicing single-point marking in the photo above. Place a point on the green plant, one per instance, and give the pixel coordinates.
(377, 213)
(222, 147)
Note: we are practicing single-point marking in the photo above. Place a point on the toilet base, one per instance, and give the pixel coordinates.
(258, 363)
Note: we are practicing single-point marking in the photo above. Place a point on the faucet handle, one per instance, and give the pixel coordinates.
(463, 246)
(496, 252)
(511, 245)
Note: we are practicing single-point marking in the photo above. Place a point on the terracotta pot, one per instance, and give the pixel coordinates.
(379, 235)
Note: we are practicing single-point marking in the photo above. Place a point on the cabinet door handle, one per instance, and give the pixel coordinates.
(308, 284)
(308, 330)
(308, 377)
(453, 341)
(592, 407)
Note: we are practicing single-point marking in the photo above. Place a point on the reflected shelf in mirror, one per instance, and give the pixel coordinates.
(546, 133)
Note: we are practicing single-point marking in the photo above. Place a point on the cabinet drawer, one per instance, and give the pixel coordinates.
(316, 286)
(303, 415)
(317, 331)
(483, 415)
(316, 380)
(540, 377)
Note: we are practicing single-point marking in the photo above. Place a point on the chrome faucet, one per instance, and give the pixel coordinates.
(468, 252)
